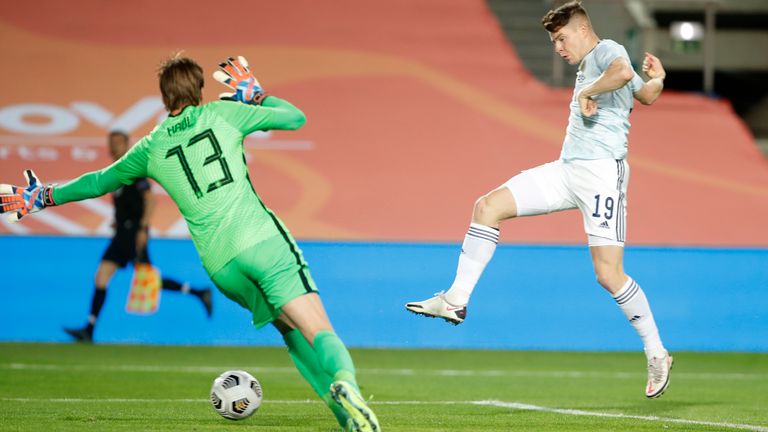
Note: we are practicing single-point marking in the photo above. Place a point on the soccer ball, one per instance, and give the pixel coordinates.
(236, 394)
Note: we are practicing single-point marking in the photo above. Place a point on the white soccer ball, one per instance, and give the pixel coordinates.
(236, 394)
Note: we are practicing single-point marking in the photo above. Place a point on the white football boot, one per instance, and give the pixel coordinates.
(658, 375)
(438, 307)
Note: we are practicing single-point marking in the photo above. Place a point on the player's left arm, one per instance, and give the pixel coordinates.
(258, 110)
(651, 89)
(615, 76)
(273, 114)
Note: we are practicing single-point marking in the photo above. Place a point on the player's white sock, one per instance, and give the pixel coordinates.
(632, 301)
(476, 252)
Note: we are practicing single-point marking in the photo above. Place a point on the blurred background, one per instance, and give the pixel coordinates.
(415, 108)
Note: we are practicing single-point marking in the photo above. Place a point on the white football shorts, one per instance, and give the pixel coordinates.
(596, 187)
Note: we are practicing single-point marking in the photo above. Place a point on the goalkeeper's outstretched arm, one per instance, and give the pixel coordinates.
(124, 171)
(19, 201)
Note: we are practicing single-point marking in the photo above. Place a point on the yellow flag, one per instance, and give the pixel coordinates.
(144, 296)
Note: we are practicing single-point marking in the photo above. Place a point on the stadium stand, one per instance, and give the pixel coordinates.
(398, 102)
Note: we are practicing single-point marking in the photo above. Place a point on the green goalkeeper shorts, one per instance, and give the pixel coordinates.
(265, 277)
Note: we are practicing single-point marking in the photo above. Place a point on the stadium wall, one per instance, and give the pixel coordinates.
(367, 166)
(531, 297)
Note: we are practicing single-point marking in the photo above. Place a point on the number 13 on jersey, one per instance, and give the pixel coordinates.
(178, 151)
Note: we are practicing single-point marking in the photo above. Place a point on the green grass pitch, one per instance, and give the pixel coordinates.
(47, 387)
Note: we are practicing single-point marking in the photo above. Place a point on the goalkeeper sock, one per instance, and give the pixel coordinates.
(632, 301)
(334, 358)
(97, 302)
(476, 251)
(306, 361)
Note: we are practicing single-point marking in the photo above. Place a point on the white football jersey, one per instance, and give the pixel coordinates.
(604, 135)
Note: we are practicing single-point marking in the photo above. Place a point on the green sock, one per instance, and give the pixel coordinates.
(306, 361)
(334, 357)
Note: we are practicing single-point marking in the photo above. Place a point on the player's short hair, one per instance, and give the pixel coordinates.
(119, 133)
(559, 17)
(181, 82)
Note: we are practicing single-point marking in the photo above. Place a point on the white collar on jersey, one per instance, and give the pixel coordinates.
(581, 64)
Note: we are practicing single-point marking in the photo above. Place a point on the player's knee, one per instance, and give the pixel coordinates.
(484, 210)
(101, 280)
(609, 278)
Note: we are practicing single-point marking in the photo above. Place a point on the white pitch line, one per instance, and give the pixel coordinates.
(494, 403)
(141, 368)
(391, 372)
(137, 400)
(575, 412)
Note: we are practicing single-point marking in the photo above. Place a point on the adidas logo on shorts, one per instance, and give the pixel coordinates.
(604, 225)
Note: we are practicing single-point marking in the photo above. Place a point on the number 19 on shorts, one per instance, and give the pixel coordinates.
(607, 205)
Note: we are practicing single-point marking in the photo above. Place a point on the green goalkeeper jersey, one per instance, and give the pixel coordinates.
(197, 156)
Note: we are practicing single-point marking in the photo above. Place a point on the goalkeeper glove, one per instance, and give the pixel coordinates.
(20, 202)
(236, 75)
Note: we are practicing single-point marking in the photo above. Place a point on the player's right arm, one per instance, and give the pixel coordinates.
(616, 71)
(124, 171)
(651, 90)
(21, 201)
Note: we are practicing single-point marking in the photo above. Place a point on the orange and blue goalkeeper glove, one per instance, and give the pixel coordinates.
(19, 202)
(234, 73)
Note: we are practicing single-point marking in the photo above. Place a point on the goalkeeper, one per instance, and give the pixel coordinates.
(197, 156)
